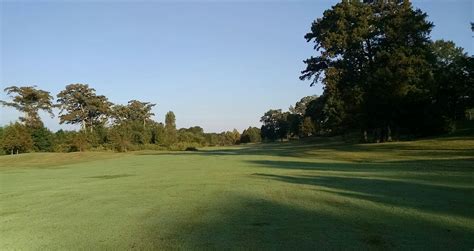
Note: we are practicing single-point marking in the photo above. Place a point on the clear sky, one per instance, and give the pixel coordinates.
(219, 65)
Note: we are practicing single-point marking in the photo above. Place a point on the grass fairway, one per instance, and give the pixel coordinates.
(317, 195)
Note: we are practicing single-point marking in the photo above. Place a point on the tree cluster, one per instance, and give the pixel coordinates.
(383, 75)
(294, 123)
(103, 125)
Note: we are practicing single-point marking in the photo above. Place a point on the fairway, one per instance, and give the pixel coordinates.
(315, 195)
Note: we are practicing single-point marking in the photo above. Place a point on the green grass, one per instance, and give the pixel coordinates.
(322, 194)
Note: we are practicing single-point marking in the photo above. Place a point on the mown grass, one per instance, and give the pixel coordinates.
(323, 194)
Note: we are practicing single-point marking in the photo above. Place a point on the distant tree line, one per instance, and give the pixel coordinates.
(103, 125)
(382, 75)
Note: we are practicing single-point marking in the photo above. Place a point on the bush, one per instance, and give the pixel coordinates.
(181, 146)
(16, 139)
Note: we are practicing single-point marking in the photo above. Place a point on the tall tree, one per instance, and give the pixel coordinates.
(80, 104)
(453, 78)
(29, 100)
(373, 60)
(170, 128)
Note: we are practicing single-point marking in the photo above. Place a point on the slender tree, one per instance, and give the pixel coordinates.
(170, 128)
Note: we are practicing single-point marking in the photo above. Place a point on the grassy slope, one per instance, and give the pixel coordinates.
(321, 194)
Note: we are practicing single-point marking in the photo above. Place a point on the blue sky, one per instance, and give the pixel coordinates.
(219, 65)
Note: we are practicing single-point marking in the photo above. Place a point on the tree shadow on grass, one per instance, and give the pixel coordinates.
(415, 185)
(252, 223)
(112, 176)
(325, 148)
(429, 166)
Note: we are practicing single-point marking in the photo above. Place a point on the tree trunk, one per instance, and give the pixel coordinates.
(365, 136)
(17, 151)
(378, 135)
(11, 151)
(389, 134)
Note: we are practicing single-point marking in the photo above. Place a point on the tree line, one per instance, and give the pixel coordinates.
(103, 125)
(382, 76)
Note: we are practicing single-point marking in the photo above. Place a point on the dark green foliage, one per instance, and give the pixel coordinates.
(42, 139)
(454, 79)
(293, 122)
(270, 127)
(251, 135)
(301, 106)
(297, 115)
(382, 74)
(307, 127)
